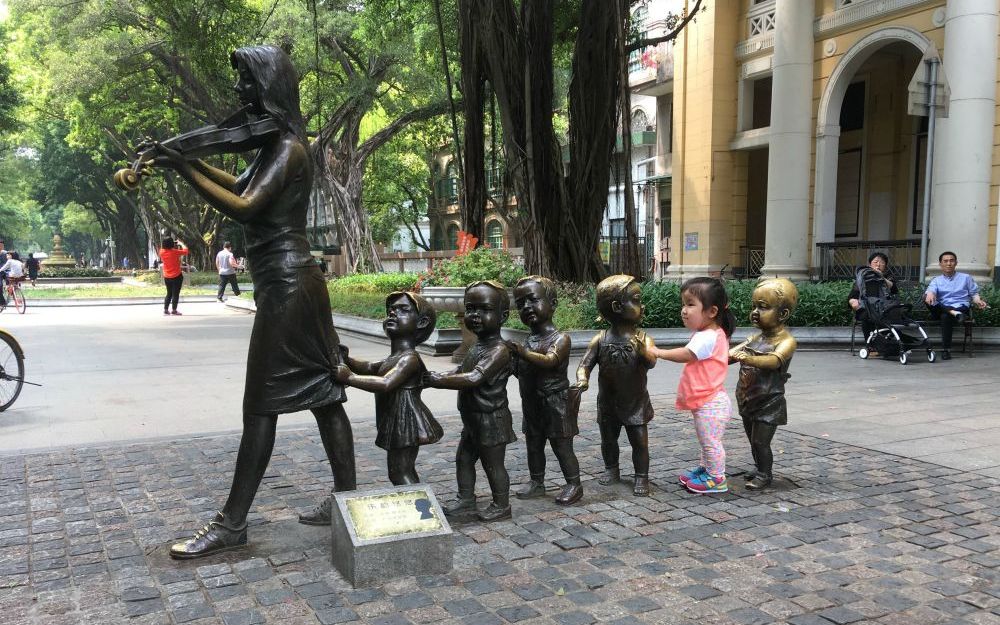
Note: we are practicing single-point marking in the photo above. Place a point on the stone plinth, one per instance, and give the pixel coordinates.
(393, 532)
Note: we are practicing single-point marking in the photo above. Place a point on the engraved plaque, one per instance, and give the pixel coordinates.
(392, 514)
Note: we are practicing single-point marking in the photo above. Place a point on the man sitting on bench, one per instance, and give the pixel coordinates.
(949, 297)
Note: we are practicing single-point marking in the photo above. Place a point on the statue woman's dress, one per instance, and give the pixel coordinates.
(294, 348)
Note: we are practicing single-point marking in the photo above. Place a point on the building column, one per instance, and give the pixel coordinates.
(963, 155)
(786, 248)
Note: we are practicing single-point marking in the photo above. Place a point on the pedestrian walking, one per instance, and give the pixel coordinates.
(225, 262)
(33, 265)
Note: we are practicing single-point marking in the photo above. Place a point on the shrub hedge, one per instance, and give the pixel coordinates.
(191, 278)
(73, 272)
(481, 263)
(820, 303)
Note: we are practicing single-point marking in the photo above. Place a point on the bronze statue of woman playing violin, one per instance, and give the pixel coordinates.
(294, 348)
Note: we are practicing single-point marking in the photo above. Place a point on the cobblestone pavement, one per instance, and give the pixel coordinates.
(855, 536)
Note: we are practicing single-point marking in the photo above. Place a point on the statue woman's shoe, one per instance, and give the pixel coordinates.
(570, 494)
(749, 475)
(641, 487)
(494, 512)
(611, 475)
(320, 515)
(213, 538)
(462, 506)
(532, 490)
(759, 482)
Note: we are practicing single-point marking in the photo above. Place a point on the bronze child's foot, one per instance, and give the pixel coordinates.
(570, 494)
(493, 512)
(531, 490)
(759, 482)
(320, 515)
(213, 538)
(641, 488)
(611, 475)
(749, 475)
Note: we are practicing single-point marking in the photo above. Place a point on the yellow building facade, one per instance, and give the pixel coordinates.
(792, 149)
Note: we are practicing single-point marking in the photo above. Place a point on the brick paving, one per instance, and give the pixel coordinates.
(854, 536)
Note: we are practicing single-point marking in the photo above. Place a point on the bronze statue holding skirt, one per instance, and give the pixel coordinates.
(294, 348)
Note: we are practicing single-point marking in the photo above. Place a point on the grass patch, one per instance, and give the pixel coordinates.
(107, 291)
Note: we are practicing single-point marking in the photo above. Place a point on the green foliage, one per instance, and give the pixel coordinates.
(379, 283)
(10, 97)
(363, 295)
(822, 304)
(367, 305)
(482, 263)
(991, 316)
(72, 272)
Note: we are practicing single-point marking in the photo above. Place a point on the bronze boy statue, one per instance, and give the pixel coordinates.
(481, 381)
(624, 356)
(540, 367)
(764, 360)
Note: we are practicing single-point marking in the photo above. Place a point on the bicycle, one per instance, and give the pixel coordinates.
(11, 369)
(15, 294)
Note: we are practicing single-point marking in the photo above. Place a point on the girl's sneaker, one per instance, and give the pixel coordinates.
(705, 483)
(691, 474)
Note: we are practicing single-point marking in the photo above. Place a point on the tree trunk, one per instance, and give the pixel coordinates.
(474, 142)
(560, 220)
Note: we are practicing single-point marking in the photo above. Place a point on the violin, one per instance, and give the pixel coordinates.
(240, 132)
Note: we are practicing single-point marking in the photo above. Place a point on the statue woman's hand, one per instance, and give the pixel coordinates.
(158, 155)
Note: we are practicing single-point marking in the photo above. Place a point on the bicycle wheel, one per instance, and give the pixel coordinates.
(11, 370)
(19, 302)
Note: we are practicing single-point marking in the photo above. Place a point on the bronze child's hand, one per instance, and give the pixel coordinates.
(343, 373)
(430, 378)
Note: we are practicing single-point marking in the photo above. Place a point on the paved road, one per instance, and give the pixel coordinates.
(849, 535)
(122, 373)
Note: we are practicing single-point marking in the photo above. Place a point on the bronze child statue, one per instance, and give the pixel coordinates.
(624, 356)
(764, 360)
(540, 366)
(401, 418)
(481, 381)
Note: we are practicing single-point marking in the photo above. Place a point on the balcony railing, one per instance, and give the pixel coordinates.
(646, 137)
(840, 260)
(751, 261)
(760, 19)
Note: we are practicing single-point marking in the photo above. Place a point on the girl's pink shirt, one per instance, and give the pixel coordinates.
(702, 379)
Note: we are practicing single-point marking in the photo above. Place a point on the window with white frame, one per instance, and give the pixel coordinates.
(494, 234)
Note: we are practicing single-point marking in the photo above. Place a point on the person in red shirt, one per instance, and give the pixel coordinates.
(170, 261)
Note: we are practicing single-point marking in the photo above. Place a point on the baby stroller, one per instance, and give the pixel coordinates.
(896, 334)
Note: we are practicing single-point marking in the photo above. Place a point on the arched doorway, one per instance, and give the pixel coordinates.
(867, 147)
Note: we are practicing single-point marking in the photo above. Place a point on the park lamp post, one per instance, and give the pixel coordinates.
(928, 94)
(111, 247)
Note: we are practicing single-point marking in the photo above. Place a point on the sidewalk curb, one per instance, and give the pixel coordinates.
(443, 342)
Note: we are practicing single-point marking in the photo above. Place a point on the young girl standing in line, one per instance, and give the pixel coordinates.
(705, 309)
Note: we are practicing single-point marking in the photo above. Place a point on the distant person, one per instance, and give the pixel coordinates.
(125, 262)
(3, 275)
(879, 262)
(170, 258)
(33, 265)
(949, 297)
(12, 269)
(225, 262)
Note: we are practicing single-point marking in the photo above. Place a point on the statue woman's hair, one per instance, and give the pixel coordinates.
(277, 84)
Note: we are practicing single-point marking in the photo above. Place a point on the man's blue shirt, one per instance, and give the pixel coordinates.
(953, 292)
